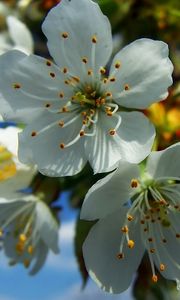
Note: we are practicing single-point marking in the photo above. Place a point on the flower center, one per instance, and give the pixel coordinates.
(7, 165)
(155, 209)
(19, 228)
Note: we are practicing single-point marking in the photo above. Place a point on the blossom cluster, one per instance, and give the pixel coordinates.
(77, 108)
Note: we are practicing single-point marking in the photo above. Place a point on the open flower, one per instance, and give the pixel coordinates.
(28, 231)
(137, 214)
(14, 175)
(75, 111)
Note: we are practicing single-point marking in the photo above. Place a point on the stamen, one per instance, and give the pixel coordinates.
(154, 278)
(131, 244)
(102, 70)
(94, 39)
(117, 65)
(162, 267)
(22, 237)
(16, 86)
(61, 94)
(126, 87)
(125, 229)
(33, 133)
(130, 218)
(120, 255)
(112, 132)
(134, 183)
(48, 63)
(85, 60)
(65, 35)
(53, 75)
(64, 70)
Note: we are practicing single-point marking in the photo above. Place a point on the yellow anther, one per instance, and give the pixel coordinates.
(117, 65)
(134, 183)
(109, 113)
(19, 248)
(126, 87)
(1, 232)
(112, 132)
(22, 237)
(150, 239)
(65, 35)
(162, 267)
(64, 109)
(33, 133)
(62, 145)
(53, 75)
(83, 113)
(61, 123)
(120, 255)
(130, 218)
(90, 72)
(94, 39)
(75, 78)
(92, 111)
(48, 63)
(26, 263)
(30, 249)
(108, 94)
(85, 60)
(177, 235)
(47, 105)
(131, 244)
(112, 79)
(16, 86)
(152, 250)
(124, 229)
(102, 70)
(163, 202)
(105, 80)
(61, 94)
(154, 278)
(65, 70)
(82, 133)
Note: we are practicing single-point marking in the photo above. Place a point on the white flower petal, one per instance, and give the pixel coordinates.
(100, 252)
(137, 136)
(40, 258)
(132, 142)
(81, 20)
(20, 34)
(146, 69)
(24, 173)
(44, 148)
(165, 162)
(31, 85)
(168, 252)
(47, 226)
(109, 193)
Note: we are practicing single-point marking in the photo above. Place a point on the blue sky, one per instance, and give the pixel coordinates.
(59, 279)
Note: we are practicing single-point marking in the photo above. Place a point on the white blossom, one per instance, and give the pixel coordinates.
(137, 213)
(75, 111)
(28, 231)
(14, 175)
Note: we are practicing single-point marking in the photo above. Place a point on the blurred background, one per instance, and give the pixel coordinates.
(64, 276)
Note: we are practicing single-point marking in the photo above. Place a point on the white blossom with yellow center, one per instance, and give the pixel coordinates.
(76, 111)
(136, 213)
(28, 230)
(14, 175)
